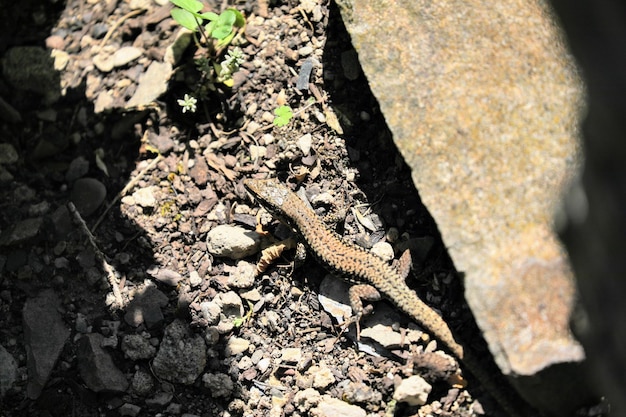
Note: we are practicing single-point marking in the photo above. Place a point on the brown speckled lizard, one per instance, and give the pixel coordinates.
(358, 266)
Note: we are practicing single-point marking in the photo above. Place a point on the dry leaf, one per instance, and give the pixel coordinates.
(270, 254)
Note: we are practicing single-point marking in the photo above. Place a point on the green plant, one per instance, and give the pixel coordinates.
(215, 33)
(220, 27)
(229, 66)
(283, 115)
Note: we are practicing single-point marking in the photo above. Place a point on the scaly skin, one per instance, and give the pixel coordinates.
(357, 265)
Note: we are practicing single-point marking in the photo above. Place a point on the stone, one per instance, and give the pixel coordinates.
(381, 329)
(152, 84)
(235, 346)
(98, 30)
(51, 143)
(8, 113)
(333, 407)
(125, 55)
(200, 171)
(195, 280)
(305, 142)
(361, 393)
(61, 59)
(21, 232)
(383, 250)
(167, 276)
(104, 62)
(210, 311)
(145, 197)
(78, 167)
(175, 51)
(87, 195)
(55, 42)
(104, 101)
(182, 354)
(62, 221)
(220, 384)
(484, 107)
(333, 297)
(160, 399)
(8, 371)
(96, 366)
(142, 382)
(129, 410)
(306, 399)
(322, 377)
(145, 307)
(413, 390)
(45, 335)
(31, 68)
(137, 347)
(231, 309)
(242, 276)
(8, 154)
(291, 355)
(233, 242)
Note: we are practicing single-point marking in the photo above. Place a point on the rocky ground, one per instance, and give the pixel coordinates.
(146, 300)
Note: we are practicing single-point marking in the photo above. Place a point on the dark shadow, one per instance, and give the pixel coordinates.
(52, 132)
(596, 226)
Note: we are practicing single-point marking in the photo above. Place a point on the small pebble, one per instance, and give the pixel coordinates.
(126, 55)
(55, 42)
(87, 195)
(98, 30)
(413, 390)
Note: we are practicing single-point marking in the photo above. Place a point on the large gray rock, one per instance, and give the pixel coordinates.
(8, 371)
(484, 102)
(96, 366)
(45, 334)
(182, 355)
(31, 68)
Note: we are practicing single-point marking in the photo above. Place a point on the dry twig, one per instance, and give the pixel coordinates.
(108, 269)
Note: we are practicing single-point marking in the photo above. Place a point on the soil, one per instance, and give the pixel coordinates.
(192, 166)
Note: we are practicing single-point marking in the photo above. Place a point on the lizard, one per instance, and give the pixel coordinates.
(366, 270)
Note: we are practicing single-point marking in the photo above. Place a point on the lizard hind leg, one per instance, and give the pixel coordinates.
(403, 265)
(358, 293)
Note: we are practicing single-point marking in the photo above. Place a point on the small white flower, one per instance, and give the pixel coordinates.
(188, 103)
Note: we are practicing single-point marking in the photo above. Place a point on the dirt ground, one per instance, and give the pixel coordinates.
(172, 177)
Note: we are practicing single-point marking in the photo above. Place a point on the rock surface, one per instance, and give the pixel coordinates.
(145, 308)
(31, 68)
(487, 119)
(45, 335)
(8, 371)
(181, 356)
(152, 84)
(96, 366)
(87, 195)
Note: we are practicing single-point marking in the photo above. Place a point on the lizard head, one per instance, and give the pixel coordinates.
(270, 193)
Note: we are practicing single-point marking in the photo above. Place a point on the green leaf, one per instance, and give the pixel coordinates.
(210, 27)
(220, 32)
(209, 16)
(240, 20)
(185, 19)
(192, 6)
(283, 115)
(226, 40)
(227, 18)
